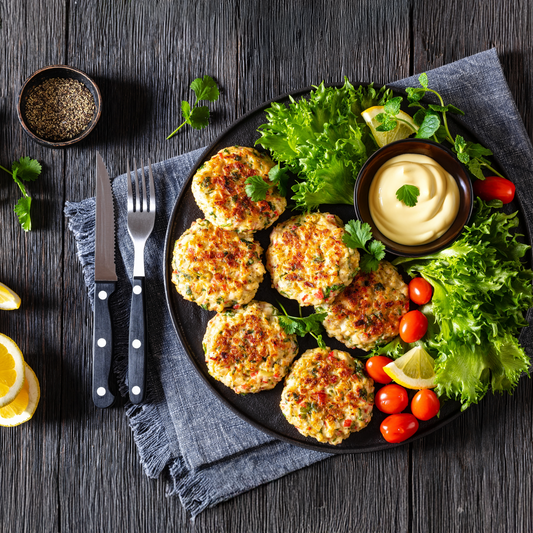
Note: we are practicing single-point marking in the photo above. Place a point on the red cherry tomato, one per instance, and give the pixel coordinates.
(400, 427)
(374, 368)
(425, 404)
(420, 291)
(413, 326)
(494, 188)
(391, 399)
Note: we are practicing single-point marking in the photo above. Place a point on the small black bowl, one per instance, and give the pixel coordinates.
(447, 160)
(58, 71)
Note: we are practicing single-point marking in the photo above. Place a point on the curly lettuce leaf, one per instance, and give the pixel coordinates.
(323, 140)
(481, 293)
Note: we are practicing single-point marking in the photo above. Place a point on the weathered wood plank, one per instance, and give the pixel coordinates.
(29, 460)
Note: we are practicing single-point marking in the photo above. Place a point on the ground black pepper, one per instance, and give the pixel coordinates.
(58, 109)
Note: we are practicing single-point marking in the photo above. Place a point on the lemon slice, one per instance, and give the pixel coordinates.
(413, 370)
(21, 409)
(8, 299)
(11, 370)
(401, 131)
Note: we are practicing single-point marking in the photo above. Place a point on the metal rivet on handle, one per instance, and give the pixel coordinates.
(102, 295)
(136, 390)
(136, 343)
(101, 391)
(137, 289)
(101, 342)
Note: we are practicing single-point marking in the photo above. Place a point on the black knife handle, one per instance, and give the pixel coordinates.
(137, 342)
(102, 344)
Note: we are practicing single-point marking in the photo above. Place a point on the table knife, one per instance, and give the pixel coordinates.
(105, 282)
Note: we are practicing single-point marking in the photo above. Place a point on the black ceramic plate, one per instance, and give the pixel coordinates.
(262, 409)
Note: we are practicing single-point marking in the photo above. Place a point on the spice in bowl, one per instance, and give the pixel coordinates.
(58, 109)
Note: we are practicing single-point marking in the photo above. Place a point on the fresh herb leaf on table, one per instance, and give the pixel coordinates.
(303, 325)
(196, 116)
(323, 140)
(256, 187)
(408, 194)
(25, 169)
(358, 235)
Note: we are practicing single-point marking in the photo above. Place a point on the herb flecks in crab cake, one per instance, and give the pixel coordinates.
(308, 260)
(220, 191)
(368, 312)
(327, 395)
(216, 268)
(247, 349)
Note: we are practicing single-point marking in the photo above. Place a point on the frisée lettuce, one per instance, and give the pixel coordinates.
(323, 140)
(482, 290)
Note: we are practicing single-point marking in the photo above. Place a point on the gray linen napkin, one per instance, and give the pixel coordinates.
(210, 454)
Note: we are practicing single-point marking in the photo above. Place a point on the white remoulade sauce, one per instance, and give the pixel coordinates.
(437, 204)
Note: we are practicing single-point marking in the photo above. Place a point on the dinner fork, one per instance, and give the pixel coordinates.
(141, 217)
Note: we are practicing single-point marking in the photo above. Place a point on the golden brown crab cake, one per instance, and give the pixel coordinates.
(327, 395)
(216, 268)
(368, 312)
(308, 260)
(247, 349)
(219, 190)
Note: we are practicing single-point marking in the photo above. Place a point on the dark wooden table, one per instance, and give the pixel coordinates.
(75, 468)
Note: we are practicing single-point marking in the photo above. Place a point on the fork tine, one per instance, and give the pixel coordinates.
(137, 194)
(144, 197)
(130, 192)
(152, 188)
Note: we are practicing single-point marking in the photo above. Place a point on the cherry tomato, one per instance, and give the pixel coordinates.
(391, 399)
(374, 368)
(494, 188)
(397, 428)
(425, 404)
(413, 326)
(420, 291)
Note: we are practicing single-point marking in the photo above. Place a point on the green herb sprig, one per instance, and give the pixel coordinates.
(408, 194)
(359, 235)
(303, 325)
(389, 119)
(433, 123)
(197, 116)
(25, 169)
(256, 187)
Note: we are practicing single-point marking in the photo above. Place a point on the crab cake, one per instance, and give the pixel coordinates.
(219, 190)
(247, 349)
(327, 395)
(368, 312)
(308, 260)
(216, 268)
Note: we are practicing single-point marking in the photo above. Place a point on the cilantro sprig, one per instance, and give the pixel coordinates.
(197, 116)
(25, 169)
(303, 325)
(408, 194)
(433, 122)
(359, 235)
(256, 187)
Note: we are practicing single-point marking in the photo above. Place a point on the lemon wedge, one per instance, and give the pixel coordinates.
(413, 370)
(406, 126)
(8, 299)
(11, 370)
(21, 409)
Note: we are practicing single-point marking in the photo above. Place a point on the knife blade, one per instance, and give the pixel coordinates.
(105, 282)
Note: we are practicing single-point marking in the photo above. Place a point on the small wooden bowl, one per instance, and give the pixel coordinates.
(447, 160)
(58, 71)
